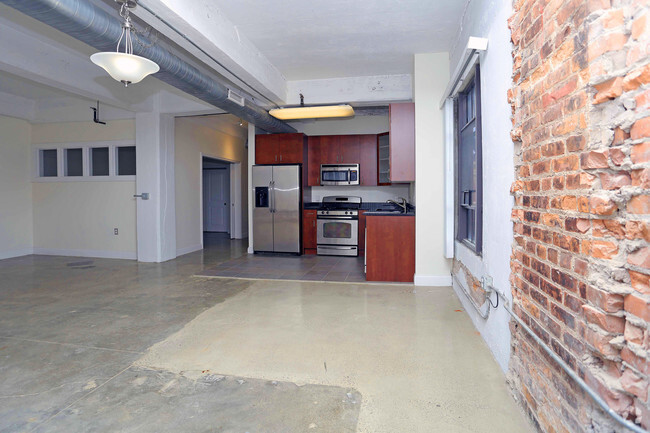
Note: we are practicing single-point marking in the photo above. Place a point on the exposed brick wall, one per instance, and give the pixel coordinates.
(581, 257)
(473, 284)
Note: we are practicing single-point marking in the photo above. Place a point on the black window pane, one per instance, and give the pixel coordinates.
(74, 162)
(126, 161)
(99, 161)
(48, 163)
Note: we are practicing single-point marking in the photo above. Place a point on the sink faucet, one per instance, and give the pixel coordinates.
(402, 203)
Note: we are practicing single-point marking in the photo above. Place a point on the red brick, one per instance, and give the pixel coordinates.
(640, 153)
(639, 27)
(616, 400)
(636, 78)
(634, 384)
(610, 89)
(637, 230)
(603, 228)
(617, 156)
(602, 205)
(589, 160)
(600, 249)
(633, 334)
(640, 258)
(606, 322)
(640, 129)
(606, 301)
(575, 143)
(640, 281)
(637, 362)
(639, 204)
(619, 136)
(579, 180)
(616, 180)
(641, 178)
(567, 163)
(606, 43)
(642, 99)
(600, 342)
(637, 306)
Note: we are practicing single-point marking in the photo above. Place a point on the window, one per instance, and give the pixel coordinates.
(469, 200)
(125, 160)
(48, 163)
(99, 161)
(73, 162)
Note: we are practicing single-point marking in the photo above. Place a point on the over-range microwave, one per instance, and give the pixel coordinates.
(339, 174)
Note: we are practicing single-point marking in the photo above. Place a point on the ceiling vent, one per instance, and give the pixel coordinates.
(237, 99)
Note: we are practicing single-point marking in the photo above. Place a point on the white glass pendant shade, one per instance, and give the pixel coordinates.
(127, 68)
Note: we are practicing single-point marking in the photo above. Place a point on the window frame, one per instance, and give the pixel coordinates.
(85, 146)
(460, 215)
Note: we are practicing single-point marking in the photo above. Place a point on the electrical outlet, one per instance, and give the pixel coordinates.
(116, 231)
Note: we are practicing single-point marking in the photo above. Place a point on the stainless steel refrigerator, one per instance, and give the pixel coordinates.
(276, 208)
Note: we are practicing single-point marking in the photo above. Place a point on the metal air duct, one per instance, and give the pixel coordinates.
(94, 26)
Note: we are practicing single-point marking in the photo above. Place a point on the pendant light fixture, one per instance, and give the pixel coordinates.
(313, 112)
(125, 66)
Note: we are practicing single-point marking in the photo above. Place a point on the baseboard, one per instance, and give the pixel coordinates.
(432, 280)
(87, 253)
(187, 250)
(250, 250)
(16, 253)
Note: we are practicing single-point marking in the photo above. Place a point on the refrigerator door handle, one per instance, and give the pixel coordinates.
(272, 196)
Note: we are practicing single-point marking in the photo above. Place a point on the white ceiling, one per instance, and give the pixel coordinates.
(318, 39)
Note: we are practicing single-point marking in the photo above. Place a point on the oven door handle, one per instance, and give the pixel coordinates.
(337, 218)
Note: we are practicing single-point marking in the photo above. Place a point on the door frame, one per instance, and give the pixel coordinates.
(235, 195)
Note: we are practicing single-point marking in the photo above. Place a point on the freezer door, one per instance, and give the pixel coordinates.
(285, 199)
(262, 215)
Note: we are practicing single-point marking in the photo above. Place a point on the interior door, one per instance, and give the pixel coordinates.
(216, 200)
(286, 208)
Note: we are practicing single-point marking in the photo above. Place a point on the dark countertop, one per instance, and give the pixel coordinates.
(381, 213)
(369, 208)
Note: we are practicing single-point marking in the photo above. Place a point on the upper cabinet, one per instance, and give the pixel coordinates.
(383, 159)
(343, 149)
(402, 142)
(280, 148)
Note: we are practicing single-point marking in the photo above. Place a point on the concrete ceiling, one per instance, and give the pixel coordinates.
(319, 39)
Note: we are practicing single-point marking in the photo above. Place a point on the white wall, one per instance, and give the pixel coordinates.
(431, 76)
(194, 137)
(367, 193)
(78, 218)
(489, 19)
(16, 227)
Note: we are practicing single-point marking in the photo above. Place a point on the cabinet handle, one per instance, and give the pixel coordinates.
(276, 158)
(313, 223)
(280, 157)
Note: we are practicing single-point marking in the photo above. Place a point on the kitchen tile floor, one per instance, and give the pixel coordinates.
(289, 267)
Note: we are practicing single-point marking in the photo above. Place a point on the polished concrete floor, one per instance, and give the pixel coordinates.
(114, 345)
(290, 267)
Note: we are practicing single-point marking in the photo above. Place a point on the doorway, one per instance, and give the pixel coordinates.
(216, 196)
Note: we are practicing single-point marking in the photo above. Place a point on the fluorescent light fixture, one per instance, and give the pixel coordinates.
(321, 111)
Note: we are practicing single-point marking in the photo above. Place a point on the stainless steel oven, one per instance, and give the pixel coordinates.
(339, 174)
(338, 226)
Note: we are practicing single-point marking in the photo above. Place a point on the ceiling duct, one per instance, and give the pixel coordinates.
(92, 25)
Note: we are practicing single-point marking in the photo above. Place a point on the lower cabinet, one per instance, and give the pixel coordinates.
(309, 238)
(390, 248)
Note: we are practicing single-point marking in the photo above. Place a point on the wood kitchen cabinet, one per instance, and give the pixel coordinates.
(390, 248)
(402, 142)
(280, 148)
(309, 237)
(343, 149)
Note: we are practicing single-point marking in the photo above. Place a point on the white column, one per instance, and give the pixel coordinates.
(156, 217)
(251, 162)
